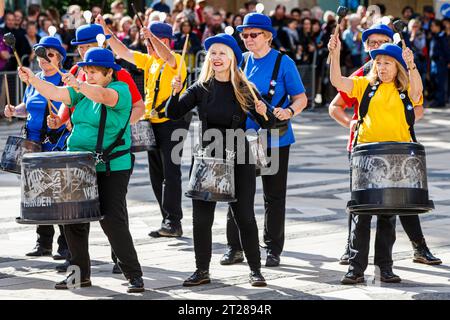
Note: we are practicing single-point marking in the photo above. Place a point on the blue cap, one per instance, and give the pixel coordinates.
(99, 57)
(257, 20)
(391, 50)
(228, 41)
(161, 29)
(87, 34)
(377, 29)
(54, 43)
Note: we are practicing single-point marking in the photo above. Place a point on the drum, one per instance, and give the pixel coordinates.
(212, 179)
(142, 136)
(389, 178)
(59, 188)
(15, 148)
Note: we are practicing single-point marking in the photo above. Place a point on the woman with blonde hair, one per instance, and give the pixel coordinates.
(388, 94)
(224, 102)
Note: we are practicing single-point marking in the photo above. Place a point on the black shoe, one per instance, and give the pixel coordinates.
(39, 251)
(170, 231)
(388, 276)
(231, 257)
(256, 279)
(344, 260)
(351, 277)
(272, 260)
(423, 255)
(63, 254)
(197, 278)
(63, 266)
(70, 280)
(136, 285)
(116, 269)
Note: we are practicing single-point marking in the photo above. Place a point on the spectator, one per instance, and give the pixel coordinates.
(316, 13)
(361, 11)
(237, 21)
(296, 14)
(306, 42)
(279, 17)
(33, 12)
(250, 6)
(76, 18)
(201, 4)
(44, 32)
(118, 7)
(124, 27)
(180, 18)
(194, 44)
(352, 37)
(5, 54)
(54, 16)
(189, 11)
(306, 13)
(19, 34)
(161, 6)
(418, 42)
(215, 26)
(18, 14)
(32, 38)
(96, 10)
(290, 40)
(109, 20)
(408, 13)
(428, 16)
(440, 58)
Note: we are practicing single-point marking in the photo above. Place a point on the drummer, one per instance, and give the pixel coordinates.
(35, 108)
(86, 38)
(373, 38)
(392, 87)
(101, 96)
(220, 93)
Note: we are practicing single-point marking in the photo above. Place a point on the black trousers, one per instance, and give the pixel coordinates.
(165, 175)
(112, 195)
(274, 189)
(360, 242)
(45, 235)
(243, 217)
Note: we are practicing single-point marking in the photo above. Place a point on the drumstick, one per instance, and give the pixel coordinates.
(341, 12)
(8, 100)
(251, 91)
(183, 53)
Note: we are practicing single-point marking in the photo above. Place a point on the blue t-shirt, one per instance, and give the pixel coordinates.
(36, 106)
(161, 7)
(259, 71)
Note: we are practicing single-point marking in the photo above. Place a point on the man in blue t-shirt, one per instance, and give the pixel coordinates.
(285, 94)
(161, 6)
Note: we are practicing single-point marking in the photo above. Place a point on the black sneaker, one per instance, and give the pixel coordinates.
(352, 277)
(116, 269)
(231, 257)
(272, 260)
(39, 251)
(136, 285)
(169, 231)
(197, 278)
(256, 279)
(70, 283)
(63, 266)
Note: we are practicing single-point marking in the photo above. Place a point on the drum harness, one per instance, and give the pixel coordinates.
(157, 112)
(364, 109)
(282, 125)
(52, 136)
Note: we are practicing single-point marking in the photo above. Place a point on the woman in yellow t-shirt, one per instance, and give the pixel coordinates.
(392, 77)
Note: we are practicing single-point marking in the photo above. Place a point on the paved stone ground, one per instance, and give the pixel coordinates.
(315, 233)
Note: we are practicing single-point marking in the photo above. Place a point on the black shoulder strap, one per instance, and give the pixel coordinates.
(273, 79)
(364, 107)
(157, 84)
(409, 113)
(245, 60)
(160, 114)
(367, 67)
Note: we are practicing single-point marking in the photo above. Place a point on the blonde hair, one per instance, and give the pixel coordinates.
(401, 80)
(241, 90)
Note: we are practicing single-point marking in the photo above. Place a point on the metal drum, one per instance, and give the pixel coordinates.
(389, 178)
(15, 148)
(59, 188)
(212, 179)
(142, 136)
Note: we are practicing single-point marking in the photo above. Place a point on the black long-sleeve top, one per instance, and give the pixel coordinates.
(216, 107)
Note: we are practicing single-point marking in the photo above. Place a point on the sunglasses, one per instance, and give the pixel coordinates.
(379, 43)
(252, 35)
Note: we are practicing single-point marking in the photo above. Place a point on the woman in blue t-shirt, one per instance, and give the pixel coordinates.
(34, 108)
(287, 97)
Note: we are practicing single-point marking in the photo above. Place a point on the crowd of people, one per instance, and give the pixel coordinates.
(249, 80)
(302, 34)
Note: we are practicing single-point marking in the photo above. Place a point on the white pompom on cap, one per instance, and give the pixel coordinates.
(397, 38)
(51, 31)
(100, 39)
(259, 8)
(229, 30)
(87, 15)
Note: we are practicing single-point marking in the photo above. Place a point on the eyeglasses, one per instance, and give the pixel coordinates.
(252, 35)
(373, 43)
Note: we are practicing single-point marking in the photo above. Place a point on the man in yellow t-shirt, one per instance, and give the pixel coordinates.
(160, 65)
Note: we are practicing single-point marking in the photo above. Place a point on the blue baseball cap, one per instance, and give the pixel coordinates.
(228, 41)
(161, 29)
(257, 20)
(87, 34)
(54, 43)
(377, 29)
(99, 57)
(391, 50)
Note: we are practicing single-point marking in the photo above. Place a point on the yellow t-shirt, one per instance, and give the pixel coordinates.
(385, 120)
(152, 67)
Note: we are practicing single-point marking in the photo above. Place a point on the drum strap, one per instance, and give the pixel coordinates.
(104, 155)
(159, 113)
(364, 109)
